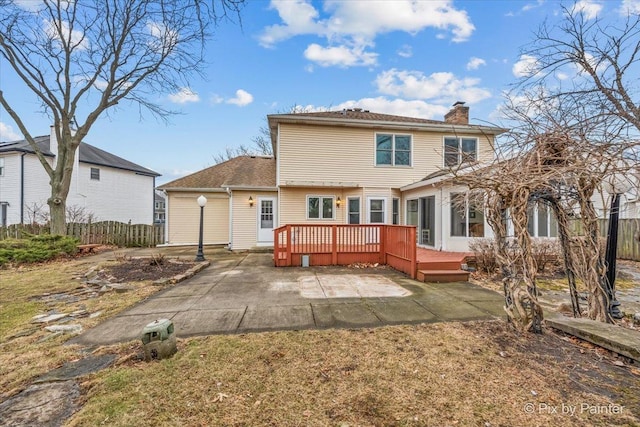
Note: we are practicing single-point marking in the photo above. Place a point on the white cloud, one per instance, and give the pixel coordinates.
(359, 19)
(405, 51)
(74, 37)
(242, 98)
(216, 99)
(341, 56)
(8, 134)
(381, 104)
(441, 87)
(590, 8)
(526, 66)
(475, 63)
(30, 5)
(354, 25)
(184, 96)
(630, 7)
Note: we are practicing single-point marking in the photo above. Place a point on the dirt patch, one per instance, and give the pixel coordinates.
(139, 269)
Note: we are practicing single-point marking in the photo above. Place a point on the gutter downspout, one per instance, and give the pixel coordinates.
(166, 216)
(153, 202)
(22, 188)
(441, 221)
(230, 245)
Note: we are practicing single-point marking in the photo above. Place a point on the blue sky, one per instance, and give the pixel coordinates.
(396, 57)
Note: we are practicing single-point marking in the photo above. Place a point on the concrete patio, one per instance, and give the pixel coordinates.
(244, 292)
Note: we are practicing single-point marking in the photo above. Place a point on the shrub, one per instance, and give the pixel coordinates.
(485, 252)
(36, 248)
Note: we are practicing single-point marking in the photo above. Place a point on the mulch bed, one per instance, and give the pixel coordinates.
(138, 269)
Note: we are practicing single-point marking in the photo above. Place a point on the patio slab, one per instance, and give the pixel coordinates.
(246, 293)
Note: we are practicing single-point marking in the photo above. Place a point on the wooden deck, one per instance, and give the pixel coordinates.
(441, 266)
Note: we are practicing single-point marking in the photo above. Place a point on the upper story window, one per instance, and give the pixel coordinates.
(320, 207)
(159, 205)
(393, 150)
(95, 174)
(458, 151)
(1, 166)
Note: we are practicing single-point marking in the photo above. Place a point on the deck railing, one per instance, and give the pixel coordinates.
(342, 244)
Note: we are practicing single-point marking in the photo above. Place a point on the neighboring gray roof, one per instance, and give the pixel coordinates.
(88, 154)
(241, 171)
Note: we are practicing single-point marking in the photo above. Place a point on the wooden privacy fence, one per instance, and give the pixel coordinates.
(103, 232)
(342, 244)
(628, 236)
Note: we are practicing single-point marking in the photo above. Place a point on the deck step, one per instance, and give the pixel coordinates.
(442, 276)
(439, 265)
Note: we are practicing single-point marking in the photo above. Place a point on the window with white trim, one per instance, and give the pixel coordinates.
(320, 207)
(1, 166)
(541, 222)
(467, 220)
(458, 151)
(377, 211)
(353, 206)
(393, 150)
(395, 211)
(95, 174)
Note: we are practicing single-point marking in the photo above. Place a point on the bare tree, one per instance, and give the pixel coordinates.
(82, 59)
(604, 54)
(560, 153)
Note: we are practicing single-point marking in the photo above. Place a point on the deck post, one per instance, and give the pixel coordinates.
(288, 242)
(413, 251)
(334, 247)
(382, 232)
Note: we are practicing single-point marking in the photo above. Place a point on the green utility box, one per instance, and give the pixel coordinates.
(159, 340)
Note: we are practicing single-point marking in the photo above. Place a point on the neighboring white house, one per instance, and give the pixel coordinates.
(103, 185)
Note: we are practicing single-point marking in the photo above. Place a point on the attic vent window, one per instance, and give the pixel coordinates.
(95, 174)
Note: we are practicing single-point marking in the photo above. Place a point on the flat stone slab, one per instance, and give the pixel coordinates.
(277, 317)
(202, 322)
(449, 308)
(118, 329)
(401, 311)
(343, 315)
(621, 340)
(46, 404)
(160, 304)
(349, 286)
(73, 370)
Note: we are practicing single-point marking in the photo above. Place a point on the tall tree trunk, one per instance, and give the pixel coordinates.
(61, 179)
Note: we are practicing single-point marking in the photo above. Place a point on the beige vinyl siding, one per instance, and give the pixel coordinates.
(245, 218)
(293, 205)
(184, 218)
(329, 154)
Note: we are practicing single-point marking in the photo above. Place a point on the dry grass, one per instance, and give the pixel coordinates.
(442, 374)
(23, 358)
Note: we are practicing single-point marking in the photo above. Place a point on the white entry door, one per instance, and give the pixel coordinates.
(266, 220)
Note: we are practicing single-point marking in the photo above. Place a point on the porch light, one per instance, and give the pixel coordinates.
(338, 201)
(250, 201)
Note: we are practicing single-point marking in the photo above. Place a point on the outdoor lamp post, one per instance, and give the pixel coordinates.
(615, 186)
(202, 201)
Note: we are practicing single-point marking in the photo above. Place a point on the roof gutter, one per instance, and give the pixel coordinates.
(193, 190)
(436, 127)
(248, 188)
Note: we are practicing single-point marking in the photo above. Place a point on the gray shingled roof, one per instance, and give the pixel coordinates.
(241, 171)
(359, 114)
(88, 154)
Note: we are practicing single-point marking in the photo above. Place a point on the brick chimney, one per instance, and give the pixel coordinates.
(459, 114)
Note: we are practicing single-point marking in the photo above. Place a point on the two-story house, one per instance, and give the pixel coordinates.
(340, 167)
(103, 185)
